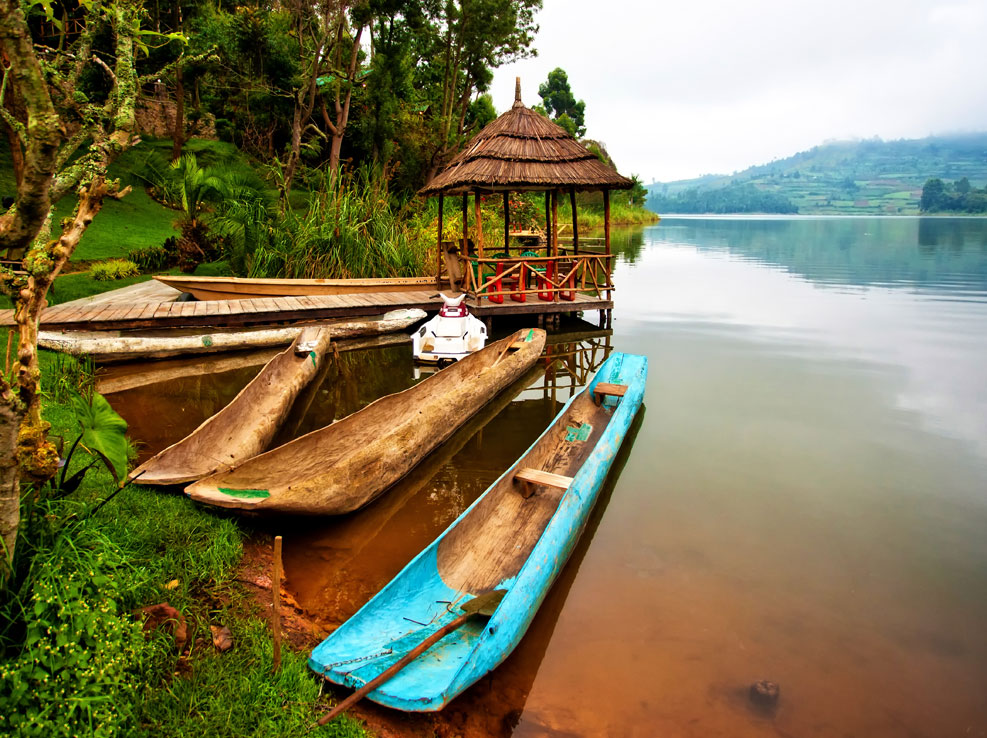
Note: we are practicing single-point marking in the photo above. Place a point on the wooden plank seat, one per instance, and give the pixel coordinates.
(605, 389)
(531, 478)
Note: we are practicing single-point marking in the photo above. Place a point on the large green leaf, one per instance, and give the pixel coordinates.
(104, 433)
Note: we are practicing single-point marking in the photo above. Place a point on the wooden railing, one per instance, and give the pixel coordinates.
(545, 278)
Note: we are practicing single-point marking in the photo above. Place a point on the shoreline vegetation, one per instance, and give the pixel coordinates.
(101, 559)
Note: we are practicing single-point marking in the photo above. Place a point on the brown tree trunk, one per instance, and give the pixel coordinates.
(343, 111)
(11, 415)
(178, 131)
(23, 441)
(16, 153)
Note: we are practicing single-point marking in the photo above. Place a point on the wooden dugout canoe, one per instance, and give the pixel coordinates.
(242, 288)
(112, 346)
(343, 466)
(504, 541)
(246, 426)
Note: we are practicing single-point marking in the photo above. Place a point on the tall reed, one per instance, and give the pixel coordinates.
(348, 230)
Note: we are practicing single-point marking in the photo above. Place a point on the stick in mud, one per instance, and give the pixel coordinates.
(276, 605)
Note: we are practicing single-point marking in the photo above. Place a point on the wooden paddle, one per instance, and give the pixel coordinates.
(480, 606)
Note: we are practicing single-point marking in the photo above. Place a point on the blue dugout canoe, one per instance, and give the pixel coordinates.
(506, 541)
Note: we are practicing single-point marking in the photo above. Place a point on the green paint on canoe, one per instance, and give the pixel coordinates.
(248, 493)
(207, 341)
(313, 357)
(578, 434)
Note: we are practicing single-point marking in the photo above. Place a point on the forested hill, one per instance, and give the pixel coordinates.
(844, 177)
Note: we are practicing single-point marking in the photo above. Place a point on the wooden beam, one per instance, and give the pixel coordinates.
(605, 389)
(439, 256)
(530, 478)
(548, 222)
(555, 238)
(466, 247)
(606, 235)
(478, 224)
(507, 224)
(575, 220)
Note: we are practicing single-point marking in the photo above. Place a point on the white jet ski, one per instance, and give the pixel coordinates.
(450, 335)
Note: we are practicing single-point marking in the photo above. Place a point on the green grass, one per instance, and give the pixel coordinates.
(83, 666)
(136, 221)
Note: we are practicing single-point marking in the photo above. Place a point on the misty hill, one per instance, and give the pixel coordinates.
(845, 177)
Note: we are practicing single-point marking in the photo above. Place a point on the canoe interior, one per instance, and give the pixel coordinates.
(495, 538)
(246, 426)
(503, 541)
(308, 475)
(233, 288)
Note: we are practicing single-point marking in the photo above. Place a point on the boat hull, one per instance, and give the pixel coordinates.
(242, 288)
(246, 426)
(344, 466)
(448, 571)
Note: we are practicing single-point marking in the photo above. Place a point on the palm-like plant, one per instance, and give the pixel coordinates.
(228, 200)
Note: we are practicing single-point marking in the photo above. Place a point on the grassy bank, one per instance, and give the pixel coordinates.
(74, 658)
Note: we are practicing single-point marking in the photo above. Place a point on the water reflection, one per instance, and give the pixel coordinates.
(847, 251)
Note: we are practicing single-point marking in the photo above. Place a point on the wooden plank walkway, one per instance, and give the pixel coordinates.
(153, 305)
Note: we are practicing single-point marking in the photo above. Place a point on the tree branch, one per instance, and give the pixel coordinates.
(106, 68)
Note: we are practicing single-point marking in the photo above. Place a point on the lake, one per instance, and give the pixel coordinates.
(803, 498)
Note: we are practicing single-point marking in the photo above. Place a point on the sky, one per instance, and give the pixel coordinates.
(680, 89)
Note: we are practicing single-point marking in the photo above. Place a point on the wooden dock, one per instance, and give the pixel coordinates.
(155, 305)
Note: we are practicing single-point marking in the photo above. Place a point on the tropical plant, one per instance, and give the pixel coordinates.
(104, 271)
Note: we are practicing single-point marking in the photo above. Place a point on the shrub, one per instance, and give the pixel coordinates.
(153, 258)
(113, 269)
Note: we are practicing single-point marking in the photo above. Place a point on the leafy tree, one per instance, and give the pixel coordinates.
(481, 111)
(558, 99)
(72, 129)
(472, 38)
(933, 195)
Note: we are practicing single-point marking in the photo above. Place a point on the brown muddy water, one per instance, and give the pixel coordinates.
(804, 498)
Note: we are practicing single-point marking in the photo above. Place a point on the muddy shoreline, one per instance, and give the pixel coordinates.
(302, 631)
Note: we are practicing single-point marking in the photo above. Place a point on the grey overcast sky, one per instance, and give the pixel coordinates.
(679, 89)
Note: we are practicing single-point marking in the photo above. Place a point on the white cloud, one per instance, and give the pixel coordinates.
(677, 90)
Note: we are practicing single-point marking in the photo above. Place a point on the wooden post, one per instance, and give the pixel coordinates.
(548, 222)
(606, 235)
(507, 224)
(276, 609)
(10, 341)
(555, 240)
(575, 220)
(466, 248)
(438, 263)
(478, 227)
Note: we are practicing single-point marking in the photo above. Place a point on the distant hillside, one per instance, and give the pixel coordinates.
(846, 177)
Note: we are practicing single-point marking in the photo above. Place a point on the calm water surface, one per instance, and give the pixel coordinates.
(804, 499)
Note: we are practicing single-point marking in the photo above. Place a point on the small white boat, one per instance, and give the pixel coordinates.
(450, 335)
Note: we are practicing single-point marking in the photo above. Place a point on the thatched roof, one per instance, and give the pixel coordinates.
(523, 150)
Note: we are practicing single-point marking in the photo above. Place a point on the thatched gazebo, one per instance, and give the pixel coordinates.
(522, 151)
